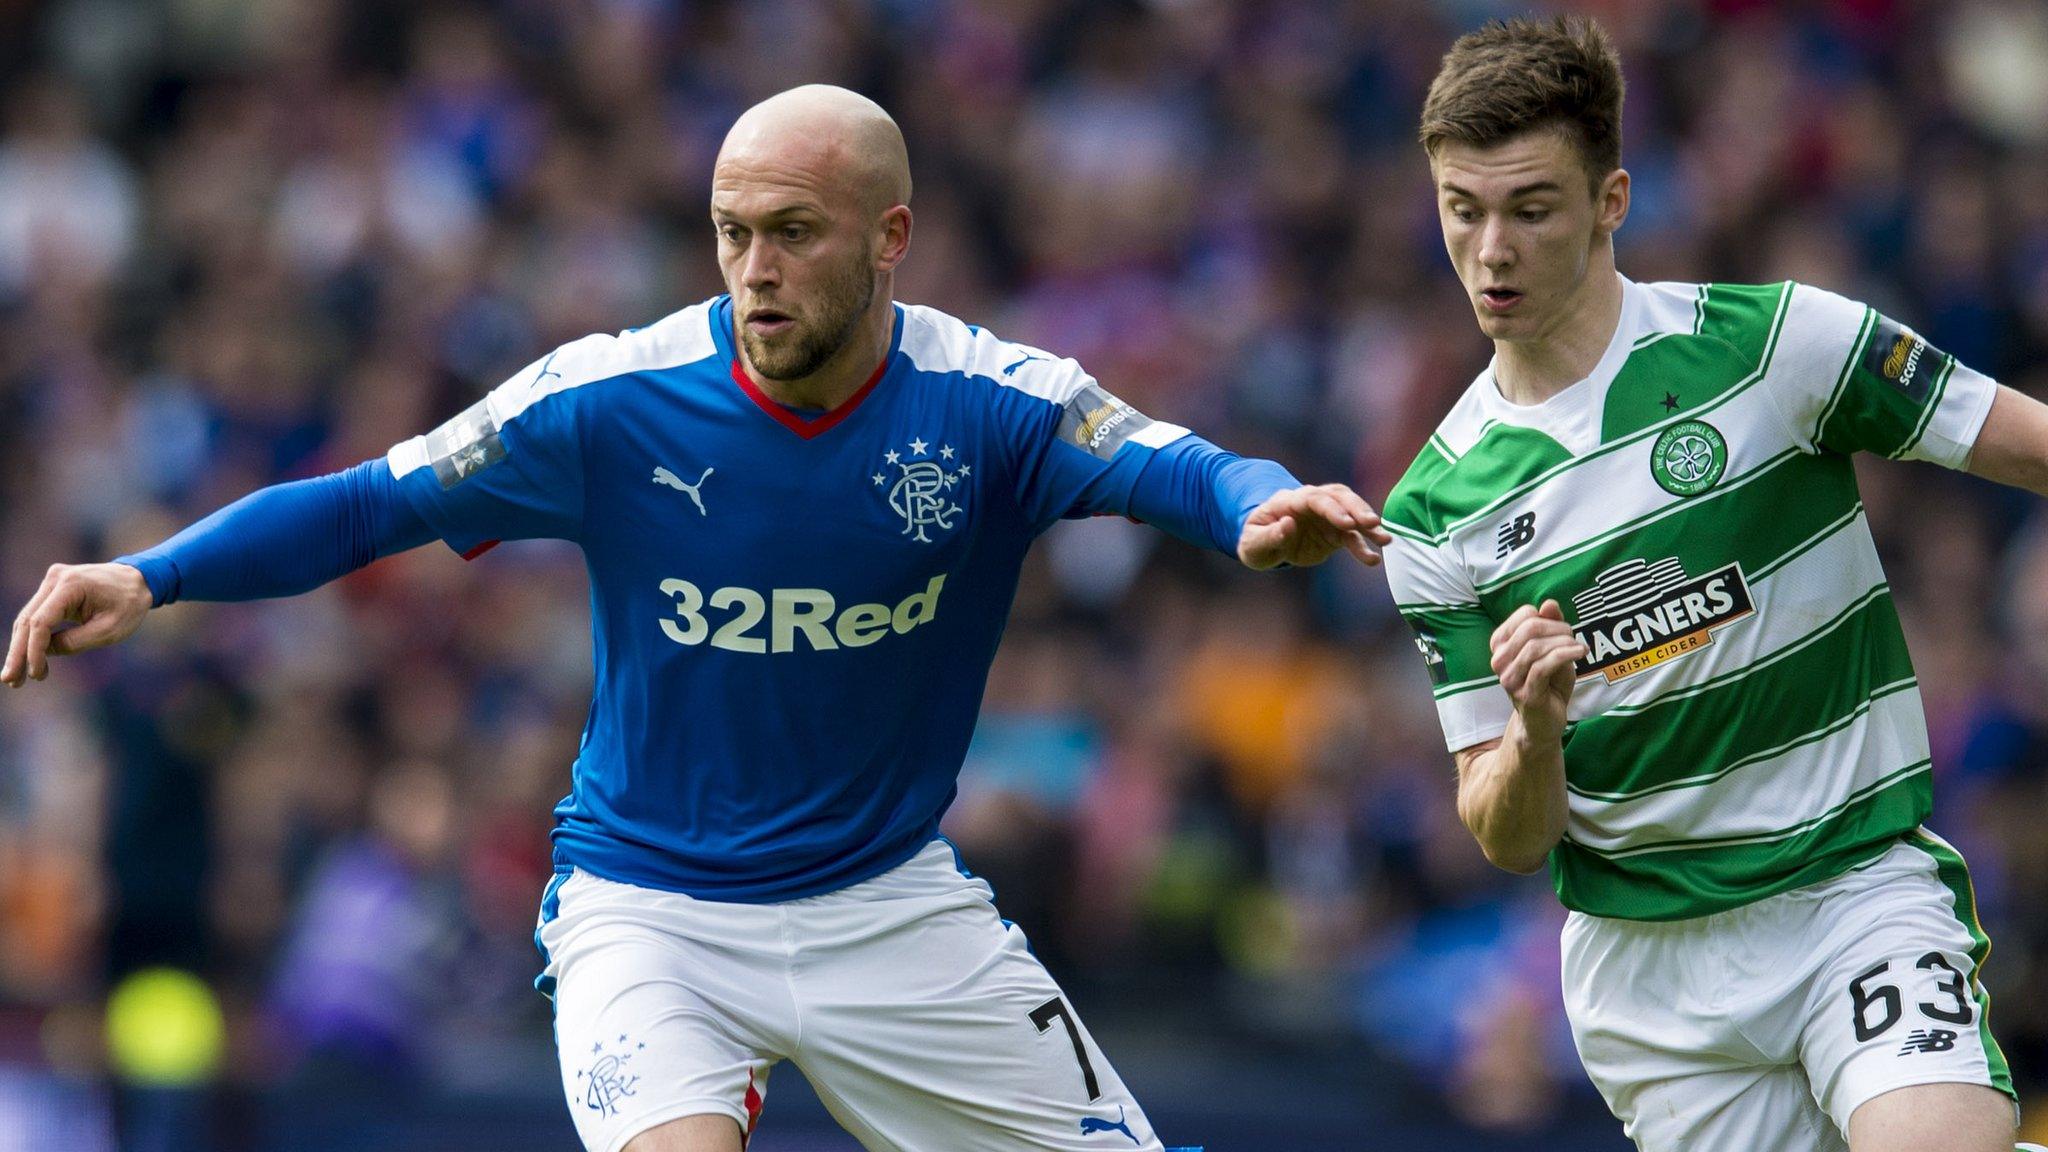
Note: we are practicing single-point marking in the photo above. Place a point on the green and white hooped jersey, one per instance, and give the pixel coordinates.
(1746, 721)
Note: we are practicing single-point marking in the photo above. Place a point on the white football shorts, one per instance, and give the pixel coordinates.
(918, 1014)
(1763, 1028)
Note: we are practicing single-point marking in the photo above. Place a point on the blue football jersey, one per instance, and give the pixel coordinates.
(794, 613)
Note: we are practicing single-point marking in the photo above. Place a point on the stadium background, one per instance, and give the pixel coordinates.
(242, 242)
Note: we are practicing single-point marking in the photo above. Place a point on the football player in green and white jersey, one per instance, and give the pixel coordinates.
(1665, 655)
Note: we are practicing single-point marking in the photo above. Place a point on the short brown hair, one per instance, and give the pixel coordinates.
(1517, 76)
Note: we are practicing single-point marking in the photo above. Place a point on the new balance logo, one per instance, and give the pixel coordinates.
(664, 476)
(1515, 534)
(1091, 1125)
(1928, 1040)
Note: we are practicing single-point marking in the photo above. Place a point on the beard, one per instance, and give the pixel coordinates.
(817, 337)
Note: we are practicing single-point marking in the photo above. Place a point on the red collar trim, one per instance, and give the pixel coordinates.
(814, 426)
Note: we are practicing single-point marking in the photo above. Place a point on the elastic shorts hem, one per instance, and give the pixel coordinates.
(660, 1116)
(1923, 1079)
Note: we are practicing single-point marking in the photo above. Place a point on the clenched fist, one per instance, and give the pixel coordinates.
(1535, 655)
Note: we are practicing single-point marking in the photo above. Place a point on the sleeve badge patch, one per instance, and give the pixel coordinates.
(1099, 423)
(465, 445)
(1900, 358)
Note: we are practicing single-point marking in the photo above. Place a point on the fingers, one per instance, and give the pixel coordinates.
(41, 625)
(1359, 546)
(1546, 663)
(1531, 637)
(1558, 669)
(97, 632)
(1361, 513)
(15, 672)
(1508, 626)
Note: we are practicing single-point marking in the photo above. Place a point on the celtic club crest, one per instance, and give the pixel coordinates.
(1689, 457)
(920, 484)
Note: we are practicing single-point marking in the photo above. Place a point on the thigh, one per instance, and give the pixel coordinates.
(1649, 1017)
(1952, 1117)
(1896, 999)
(1656, 1020)
(650, 1026)
(941, 1032)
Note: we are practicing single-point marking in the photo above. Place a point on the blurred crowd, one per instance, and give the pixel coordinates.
(243, 242)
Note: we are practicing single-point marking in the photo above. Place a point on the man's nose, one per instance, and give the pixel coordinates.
(760, 268)
(1496, 250)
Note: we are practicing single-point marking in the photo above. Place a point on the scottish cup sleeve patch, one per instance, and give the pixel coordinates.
(1899, 357)
(465, 445)
(1099, 423)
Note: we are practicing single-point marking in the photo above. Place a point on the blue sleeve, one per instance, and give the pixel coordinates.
(285, 539)
(1083, 452)
(1202, 493)
(509, 467)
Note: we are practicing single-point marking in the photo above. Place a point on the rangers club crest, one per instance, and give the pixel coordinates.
(920, 483)
(606, 1083)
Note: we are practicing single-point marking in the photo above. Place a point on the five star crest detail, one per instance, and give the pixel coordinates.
(923, 487)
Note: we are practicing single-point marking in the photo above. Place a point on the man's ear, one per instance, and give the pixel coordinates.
(1610, 202)
(895, 243)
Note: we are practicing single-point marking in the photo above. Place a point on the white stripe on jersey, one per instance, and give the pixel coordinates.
(938, 343)
(680, 338)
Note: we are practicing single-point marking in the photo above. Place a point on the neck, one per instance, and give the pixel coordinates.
(1532, 371)
(839, 377)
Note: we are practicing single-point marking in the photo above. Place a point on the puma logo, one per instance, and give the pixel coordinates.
(664, 476)
(1091, 1125)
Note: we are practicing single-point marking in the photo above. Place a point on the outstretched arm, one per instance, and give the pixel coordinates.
(1252, 508)
(280, 541)
(2013, 447)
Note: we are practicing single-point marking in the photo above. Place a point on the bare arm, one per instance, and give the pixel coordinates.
(1511, 793)
(2013, 446)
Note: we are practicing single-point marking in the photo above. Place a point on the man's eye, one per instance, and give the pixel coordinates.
(794, 232)
(1535, 215)
(731, 234)
(1464, 215)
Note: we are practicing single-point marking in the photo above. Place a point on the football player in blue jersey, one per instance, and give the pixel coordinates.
(803, 508)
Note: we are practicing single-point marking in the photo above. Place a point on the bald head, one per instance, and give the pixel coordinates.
(811, 201)
(836, 140)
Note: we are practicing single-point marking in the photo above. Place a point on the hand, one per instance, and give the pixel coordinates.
(104, 602)
(1535, 655)
(1305, 526)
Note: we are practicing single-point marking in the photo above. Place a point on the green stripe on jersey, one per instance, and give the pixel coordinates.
(1695, 735)
(1460, 635)
(1743, 316)
(1405, 512)
(1455, 506)
(1436, 491)
(1798, 692)
(1870, 411)
(1687, 882)
(1755, 519)
(1955, 876)
(1681, 372)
